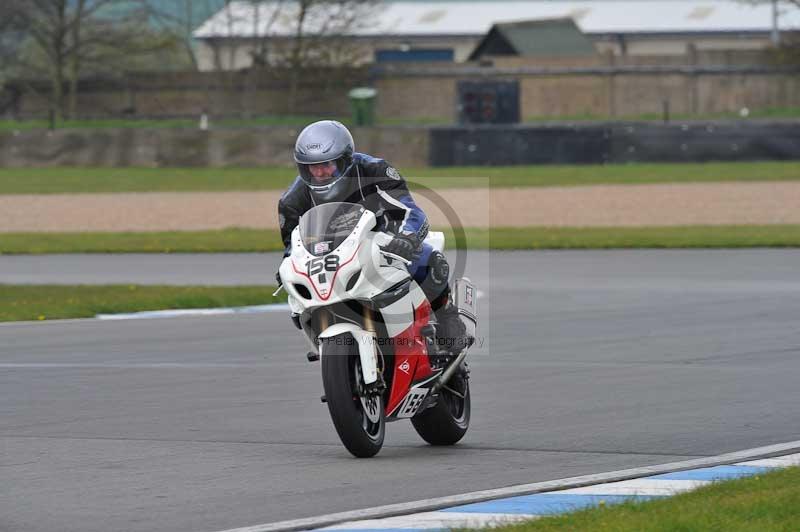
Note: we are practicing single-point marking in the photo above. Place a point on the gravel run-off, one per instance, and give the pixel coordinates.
(584, 206)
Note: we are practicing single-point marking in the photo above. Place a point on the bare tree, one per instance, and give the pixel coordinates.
(67, 37)
(263, 24)
(786, 49)
(779, 7)
(302, 34)
(284, 39)
(322, 31)
(320, 38)
(10, 36)
(182, 17)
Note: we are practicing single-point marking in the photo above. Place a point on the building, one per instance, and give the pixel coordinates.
(451, 30)
(557, 37)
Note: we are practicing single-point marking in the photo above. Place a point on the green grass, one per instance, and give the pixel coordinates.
(28, 125)
(45, 302)
(731, 236)
(501, 238)
(303, 120)
(109, 180)
(167, 123)
(763, 503)
(228, 240)
(96, 180)
(769, 112)
(214, 122)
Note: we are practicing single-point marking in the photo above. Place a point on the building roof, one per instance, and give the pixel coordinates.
(243, 19)
(548, 37)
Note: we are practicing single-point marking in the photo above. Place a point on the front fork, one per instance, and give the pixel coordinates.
(364, 338)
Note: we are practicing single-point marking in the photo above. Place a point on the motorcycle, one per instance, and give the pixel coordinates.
(373, 329)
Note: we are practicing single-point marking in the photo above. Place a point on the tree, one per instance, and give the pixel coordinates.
(786, 47)
(779, 8)
(65, 38)
(295, 36)
(306, 33)
(318, 40)
(10, 37)
(181, 17)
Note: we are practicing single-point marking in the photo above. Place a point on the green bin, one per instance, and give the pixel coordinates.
(362, 103)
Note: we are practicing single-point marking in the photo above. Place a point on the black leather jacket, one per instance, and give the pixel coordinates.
(370, 182)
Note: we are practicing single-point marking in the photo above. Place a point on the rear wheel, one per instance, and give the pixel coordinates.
(358, 417)
(447, 421)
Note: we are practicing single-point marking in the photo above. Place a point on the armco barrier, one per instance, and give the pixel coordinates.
(615, 143)
(503, 145)
(411, 146)
(700, 142)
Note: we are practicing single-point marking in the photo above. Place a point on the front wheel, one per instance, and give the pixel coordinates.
(447, 421)
(358, 417)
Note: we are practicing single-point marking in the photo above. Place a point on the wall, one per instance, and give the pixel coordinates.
(188, 94)
(411, 146)
(600, 86)
(599, 92)
(403, 146)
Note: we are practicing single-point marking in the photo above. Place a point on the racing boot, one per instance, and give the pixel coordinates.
(451, 333)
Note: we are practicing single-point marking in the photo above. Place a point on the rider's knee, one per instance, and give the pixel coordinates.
(435, 284)
(439, 269)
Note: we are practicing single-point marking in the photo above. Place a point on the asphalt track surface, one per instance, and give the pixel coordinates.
(592, 361)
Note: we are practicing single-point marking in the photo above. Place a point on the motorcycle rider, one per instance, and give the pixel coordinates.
(330, 170)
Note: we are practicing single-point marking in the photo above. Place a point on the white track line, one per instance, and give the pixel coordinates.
(158, 314)
(437, 520)
(150, 314)
(783, 461)
(640, 486)
(178, 313)
(393, 510)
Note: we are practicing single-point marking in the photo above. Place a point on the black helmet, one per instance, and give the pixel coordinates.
(322, 142)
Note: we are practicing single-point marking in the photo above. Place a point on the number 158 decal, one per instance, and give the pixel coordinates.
(329, 264)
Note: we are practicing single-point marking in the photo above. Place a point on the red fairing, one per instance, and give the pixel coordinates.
(411, 362)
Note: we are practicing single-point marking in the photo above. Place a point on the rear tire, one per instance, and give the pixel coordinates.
(447, 421)
(341, 371)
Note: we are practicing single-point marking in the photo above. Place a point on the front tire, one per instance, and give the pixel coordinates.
(359, 419)
(447, 421)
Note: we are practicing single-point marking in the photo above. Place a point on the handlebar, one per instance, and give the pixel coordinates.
(396, 257)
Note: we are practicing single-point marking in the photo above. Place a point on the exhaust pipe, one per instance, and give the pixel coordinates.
(448, 373)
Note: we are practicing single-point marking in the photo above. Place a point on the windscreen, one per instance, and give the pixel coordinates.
(323, 228)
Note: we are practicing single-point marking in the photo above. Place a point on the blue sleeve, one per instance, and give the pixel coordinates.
(416, 219)
(396, 197)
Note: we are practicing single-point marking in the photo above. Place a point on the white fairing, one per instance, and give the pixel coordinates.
(366, 347)
(436, 240)
(358, 263)
(399, 315)
(358, 252)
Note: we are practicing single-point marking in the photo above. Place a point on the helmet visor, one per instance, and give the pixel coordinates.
(321, 174)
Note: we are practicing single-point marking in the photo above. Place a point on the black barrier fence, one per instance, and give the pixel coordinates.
(614, 143)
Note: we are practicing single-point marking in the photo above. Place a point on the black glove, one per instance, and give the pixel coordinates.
(401, 245)
(278, 278)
